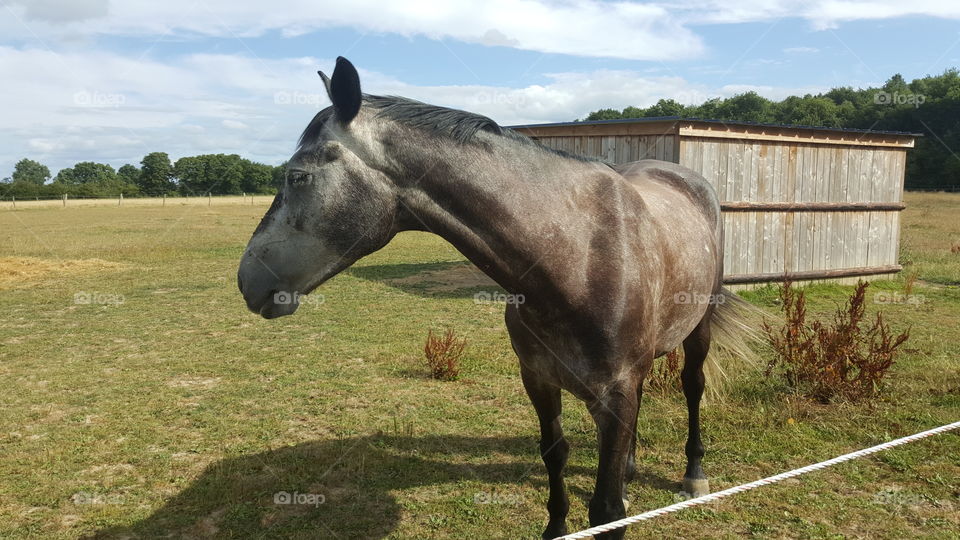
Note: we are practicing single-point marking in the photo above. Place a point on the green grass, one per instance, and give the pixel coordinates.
(177, 413)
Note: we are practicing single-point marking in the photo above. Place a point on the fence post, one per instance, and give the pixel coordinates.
(14, 198)
(64, 200)
(164, 199)
(120, 200)
(209, 198)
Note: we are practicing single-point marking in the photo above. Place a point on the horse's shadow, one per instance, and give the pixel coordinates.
(430, 280)
(342, 488)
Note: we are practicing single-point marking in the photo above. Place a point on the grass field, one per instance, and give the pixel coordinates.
(220, 200)
(140, 399)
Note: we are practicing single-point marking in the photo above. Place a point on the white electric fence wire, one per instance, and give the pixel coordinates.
(586, 533)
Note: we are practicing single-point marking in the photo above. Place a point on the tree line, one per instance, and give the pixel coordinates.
(929, 105)
(217, 174)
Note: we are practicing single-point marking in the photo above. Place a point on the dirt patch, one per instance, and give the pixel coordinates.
(447, 280)
(18, 272)
(210, 525)
(931, 284)
(194, 382)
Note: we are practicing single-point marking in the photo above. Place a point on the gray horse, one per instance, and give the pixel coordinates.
(617, 264)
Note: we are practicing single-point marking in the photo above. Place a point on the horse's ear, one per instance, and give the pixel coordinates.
(344, 90)
(326, 83)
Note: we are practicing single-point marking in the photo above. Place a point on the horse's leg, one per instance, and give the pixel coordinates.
(615, 415)
(631, 471)
(553, 449)
(695, 348)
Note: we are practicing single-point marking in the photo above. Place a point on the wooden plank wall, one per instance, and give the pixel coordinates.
(619, 148)
(777, 242)
(767, 241)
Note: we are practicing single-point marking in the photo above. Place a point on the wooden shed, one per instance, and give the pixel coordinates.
(799, 202)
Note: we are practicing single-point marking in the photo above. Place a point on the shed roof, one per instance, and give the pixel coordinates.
(656, 119)
(721, 129)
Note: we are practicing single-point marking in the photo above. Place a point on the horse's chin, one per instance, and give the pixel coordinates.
(272, 310)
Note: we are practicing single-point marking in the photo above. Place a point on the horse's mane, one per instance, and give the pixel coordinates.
(461, 126)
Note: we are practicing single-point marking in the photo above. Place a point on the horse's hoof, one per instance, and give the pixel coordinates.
(696, 487)
(554, 530)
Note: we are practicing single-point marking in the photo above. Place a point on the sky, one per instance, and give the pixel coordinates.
(112, 80)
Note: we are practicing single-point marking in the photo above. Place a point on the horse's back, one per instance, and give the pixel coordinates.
(654, 178)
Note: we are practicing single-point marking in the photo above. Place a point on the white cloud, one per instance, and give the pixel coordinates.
(822, 14)
(576, 27)
(593, 28)
(57, 11)
(233, 124)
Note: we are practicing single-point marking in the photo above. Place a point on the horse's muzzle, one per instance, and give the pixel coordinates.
(263, 293)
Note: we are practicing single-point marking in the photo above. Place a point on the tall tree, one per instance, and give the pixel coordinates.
(130, 174)
(88, 172)
(665, 107)
(257, 177)
(33, 172)
(223, 174)
(156, 174)
(605, 114)
(747, 107)
(279, 175)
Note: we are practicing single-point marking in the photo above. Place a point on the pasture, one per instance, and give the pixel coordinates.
(141, 399)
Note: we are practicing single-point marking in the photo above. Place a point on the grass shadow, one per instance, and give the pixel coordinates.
(352, 482)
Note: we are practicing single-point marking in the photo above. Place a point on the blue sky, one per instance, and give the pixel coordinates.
(110, 81)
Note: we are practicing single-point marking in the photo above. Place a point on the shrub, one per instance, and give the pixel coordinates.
(909, 282)
(443, 355)
(665, 373)
(848, 358)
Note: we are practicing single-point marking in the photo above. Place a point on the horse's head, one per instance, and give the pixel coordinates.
(333, 208)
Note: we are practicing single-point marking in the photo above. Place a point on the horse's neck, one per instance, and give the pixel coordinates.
(511, 211)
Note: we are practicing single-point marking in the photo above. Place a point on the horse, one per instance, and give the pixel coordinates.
(617, 264)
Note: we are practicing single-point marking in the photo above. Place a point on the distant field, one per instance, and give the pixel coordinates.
(30, 204)
(141, 400)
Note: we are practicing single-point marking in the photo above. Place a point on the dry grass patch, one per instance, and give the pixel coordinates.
(21, 272)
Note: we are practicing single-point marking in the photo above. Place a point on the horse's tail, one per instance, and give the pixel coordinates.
(734, 327)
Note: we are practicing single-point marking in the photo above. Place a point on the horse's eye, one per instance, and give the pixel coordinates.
(296, 178)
